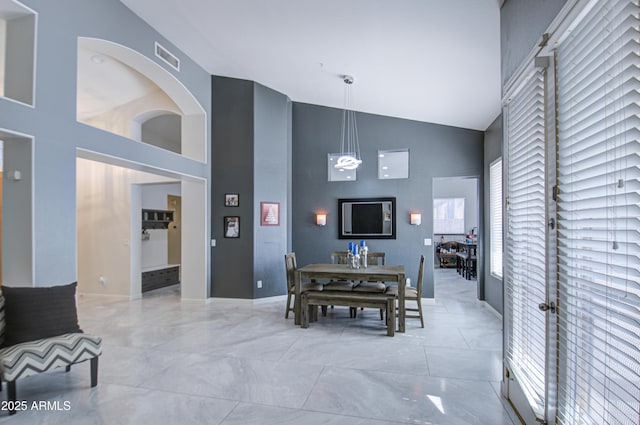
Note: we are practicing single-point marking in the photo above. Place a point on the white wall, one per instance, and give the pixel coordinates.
(120, 119)
(104, 217)
(460, 187)
(154, 251)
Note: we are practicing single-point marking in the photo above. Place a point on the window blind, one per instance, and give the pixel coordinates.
(598, 70)
(525, 240)
(495, 217)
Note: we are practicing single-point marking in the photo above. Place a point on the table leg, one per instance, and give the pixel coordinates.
(391, 316)
(297, 302)
(401, 307)
(304, 310)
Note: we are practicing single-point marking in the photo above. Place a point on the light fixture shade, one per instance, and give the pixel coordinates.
(321, 219)
(415, 219)
(349, 158)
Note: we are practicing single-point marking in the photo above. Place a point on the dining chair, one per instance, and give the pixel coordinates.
(290, 269)
(413, 294)
(339, 257)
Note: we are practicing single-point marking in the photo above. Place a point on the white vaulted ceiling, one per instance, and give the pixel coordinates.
(426, 60)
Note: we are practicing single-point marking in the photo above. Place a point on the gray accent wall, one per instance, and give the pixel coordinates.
(251, 157)
(232, 172)
(434, 151)
(493, 288)
(522, 23)
(271, 175)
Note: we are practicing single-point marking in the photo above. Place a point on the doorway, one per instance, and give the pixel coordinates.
(456, 214)
(174, 233)
(109, 225)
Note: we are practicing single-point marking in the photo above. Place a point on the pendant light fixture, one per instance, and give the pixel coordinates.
(349, 158)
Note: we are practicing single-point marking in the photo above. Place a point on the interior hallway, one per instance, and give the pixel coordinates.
(236, 363)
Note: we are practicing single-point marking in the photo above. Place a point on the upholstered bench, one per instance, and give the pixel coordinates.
(353, 299)
(23, 359)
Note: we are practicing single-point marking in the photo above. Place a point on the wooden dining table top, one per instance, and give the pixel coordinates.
(342, 271)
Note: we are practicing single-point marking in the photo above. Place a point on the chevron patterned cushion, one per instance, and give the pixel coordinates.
(31, 358)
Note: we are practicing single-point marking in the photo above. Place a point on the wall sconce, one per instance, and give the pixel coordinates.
(321, 219)
(415, 219)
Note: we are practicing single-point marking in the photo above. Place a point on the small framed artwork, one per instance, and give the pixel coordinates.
(231, 199)
(231, 226)
(270, 213)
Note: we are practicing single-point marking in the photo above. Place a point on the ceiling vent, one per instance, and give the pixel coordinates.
(168, 57)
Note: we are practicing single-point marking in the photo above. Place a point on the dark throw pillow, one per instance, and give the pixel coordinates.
(34, 313)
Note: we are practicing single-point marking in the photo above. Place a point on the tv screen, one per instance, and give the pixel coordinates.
(371, 218)
(366, 218)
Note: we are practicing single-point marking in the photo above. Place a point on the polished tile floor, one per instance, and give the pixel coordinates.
(172, 362)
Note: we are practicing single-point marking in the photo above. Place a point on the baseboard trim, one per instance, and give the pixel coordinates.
(491, 309)
(245, 301)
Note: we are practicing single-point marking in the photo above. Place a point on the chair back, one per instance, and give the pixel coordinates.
(339, 257)
(420, 277)
(375, 258)
(290, 267)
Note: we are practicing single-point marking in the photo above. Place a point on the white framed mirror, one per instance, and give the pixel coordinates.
(393, 164)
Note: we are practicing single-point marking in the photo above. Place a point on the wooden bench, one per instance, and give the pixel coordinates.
(312, 299)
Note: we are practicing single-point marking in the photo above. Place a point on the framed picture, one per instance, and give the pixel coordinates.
(270, 213)
(231, 226)
(231, 200)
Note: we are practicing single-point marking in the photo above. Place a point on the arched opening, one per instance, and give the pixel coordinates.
(158, 128)
(119, 89)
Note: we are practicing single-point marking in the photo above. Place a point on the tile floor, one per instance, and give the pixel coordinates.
(167, 362)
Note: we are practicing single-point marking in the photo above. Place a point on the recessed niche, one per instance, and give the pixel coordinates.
(17, 51)
(16, 209)
(163, 131)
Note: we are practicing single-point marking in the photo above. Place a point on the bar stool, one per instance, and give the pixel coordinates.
(461, 263)
(472, 267)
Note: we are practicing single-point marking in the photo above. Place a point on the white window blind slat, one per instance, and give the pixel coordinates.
(589, 32)
(525, 240)
(598, 92)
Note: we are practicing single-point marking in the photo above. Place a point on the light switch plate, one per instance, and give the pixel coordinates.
(427, 242)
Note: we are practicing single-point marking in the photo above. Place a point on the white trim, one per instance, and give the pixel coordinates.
(491, 309)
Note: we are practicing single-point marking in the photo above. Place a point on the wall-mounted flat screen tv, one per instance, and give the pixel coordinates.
(367, 218)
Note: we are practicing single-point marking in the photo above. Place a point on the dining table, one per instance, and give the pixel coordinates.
(373, 273)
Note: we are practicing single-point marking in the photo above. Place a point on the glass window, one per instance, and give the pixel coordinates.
(495, 217)
(448, 216)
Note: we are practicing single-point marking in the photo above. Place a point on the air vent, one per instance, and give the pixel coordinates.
(168, 57)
